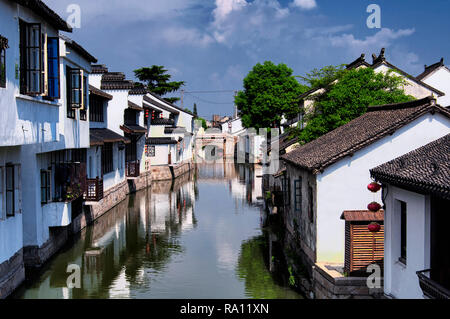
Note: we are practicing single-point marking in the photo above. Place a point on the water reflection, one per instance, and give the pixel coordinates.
(196, 237)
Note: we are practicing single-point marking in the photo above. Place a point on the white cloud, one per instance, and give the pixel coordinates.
(180, 35)
(383, 38)
(225, 7)
(305, 4)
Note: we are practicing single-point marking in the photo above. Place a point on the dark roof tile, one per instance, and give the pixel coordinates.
(377, 123)
(425, 170)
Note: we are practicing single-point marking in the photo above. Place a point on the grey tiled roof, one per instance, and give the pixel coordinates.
(160, 141)
(377, 123)
(424, 170)
(45, 12)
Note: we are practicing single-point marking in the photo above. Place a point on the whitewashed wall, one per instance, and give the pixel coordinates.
(401, 280)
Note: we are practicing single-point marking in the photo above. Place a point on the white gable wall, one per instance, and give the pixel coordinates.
(343, 185)
(440, 79)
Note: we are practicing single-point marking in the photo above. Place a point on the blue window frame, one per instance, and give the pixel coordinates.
(298, 195)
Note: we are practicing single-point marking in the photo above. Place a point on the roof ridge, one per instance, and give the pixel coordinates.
(429, 100)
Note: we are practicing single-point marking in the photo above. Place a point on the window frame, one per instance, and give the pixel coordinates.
(298, 195)
(46, 186)
(3, 46)
(26, 49)
(403, 232)
(311, 203)
(50, 77)
(96, 111)
(107, 158)
(12, 190)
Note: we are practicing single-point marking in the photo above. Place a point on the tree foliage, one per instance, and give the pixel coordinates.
(349, 98)
(322, 78)
(156, 80)
(270, 91)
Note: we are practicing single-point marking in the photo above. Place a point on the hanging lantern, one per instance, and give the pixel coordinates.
(374, 227)
(374, 207)
(374, 187)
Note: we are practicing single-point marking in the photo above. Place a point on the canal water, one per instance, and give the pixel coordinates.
(200, 236)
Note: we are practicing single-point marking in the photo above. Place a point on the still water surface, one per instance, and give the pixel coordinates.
(197, 237)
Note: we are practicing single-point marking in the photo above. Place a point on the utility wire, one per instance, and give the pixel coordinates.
(211, 102)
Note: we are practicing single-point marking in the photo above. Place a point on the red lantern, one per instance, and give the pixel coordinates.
(374, 227)
(374, 207)
(374, 187)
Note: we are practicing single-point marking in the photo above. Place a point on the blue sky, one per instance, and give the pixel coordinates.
(213, 44)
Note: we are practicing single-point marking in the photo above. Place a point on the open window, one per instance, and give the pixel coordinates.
(39, 62)
(75, 81)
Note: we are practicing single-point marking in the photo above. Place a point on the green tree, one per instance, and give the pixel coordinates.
(270, 92)
(156, 80)
(321, 78)
(349, 98)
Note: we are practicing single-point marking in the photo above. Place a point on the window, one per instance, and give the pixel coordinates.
(9, 190)
(31, 53)
(95, 109)
(286, 185)
(131, 150)
(53, 68)
(298, 195)
(75, 92)
(130, 117)
(150, 150)
(310, 204)
(45, 186)
(403, 232)
(3, 47)
(83, 110)
(107, 158)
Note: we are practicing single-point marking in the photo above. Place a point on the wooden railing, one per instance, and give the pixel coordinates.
(94, 190)
(132, 169)
(430, 288)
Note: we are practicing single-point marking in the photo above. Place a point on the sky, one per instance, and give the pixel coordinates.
(213, 44)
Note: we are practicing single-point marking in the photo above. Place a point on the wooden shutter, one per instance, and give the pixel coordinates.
(44, 65)
(53, 68)
(366, 247)
(17, 190)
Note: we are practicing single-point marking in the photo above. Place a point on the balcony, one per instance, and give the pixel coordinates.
(431, 288)
(94, 191)
(132, 169)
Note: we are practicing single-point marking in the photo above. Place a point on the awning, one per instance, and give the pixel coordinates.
(280, 173)
(160, 141)
(133, 129)
(362, 215)
(93, 90)
(134, 106)
(150, 103)
(100, 136)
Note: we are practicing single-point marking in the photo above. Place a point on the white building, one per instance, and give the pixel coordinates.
(123, 117)
(170, 139)
(43, 130)
(416, 190)
(106, 156)
(438, 75)
(330, 174)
